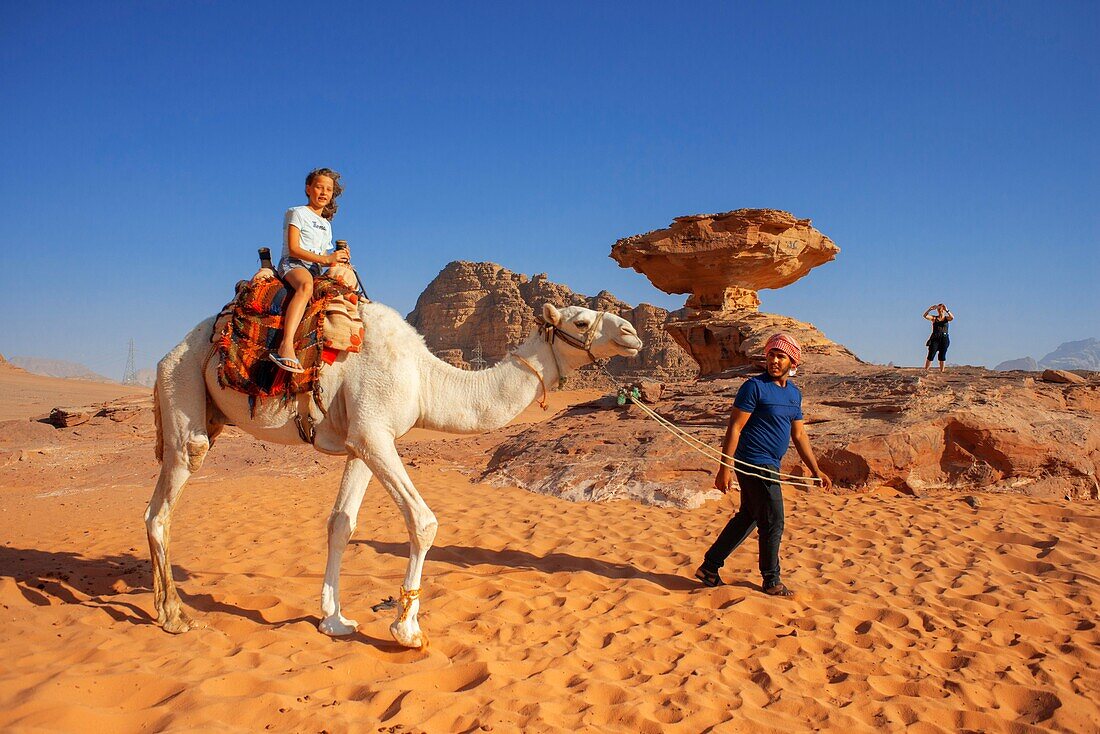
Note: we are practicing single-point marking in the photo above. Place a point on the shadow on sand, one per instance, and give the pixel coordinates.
(462, 556)
(46, 578)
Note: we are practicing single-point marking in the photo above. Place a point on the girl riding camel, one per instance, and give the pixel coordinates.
(307, 245)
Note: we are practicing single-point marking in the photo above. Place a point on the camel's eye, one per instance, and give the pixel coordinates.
(580, 324)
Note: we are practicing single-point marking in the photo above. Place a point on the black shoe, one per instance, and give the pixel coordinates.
(708, 577)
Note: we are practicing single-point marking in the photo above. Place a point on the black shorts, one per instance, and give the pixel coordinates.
(938, 345)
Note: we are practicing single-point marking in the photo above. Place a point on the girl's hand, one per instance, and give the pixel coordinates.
(340, 256)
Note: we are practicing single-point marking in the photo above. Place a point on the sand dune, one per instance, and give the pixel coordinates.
(26, 395)
(918, 614)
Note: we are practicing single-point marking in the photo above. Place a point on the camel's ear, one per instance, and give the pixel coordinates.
(550, 314)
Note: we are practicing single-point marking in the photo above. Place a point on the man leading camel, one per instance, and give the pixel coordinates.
(766, 416)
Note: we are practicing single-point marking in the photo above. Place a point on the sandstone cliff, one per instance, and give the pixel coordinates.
(483, 305)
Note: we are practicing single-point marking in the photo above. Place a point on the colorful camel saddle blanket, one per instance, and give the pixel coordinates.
(250, 327)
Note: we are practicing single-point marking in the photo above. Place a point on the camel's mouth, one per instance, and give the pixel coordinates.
(632, 347)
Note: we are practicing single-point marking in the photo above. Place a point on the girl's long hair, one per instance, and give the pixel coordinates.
(330, 208)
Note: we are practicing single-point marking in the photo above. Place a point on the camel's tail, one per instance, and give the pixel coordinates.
(156, 420)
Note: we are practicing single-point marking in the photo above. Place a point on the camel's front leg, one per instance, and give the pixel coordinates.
(341, 524)
(421, 524)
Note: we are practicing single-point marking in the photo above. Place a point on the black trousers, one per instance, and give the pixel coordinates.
(762, 508)
(938, 344)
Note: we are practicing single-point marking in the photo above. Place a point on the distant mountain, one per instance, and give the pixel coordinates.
(58, 368)
(1023, 363)
(146, 377)
(1082, 355)
(1079, 355)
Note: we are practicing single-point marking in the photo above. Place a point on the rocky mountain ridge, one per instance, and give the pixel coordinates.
(481, 308)
(1076, 355)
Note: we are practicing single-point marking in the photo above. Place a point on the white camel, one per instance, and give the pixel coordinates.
(371, 398)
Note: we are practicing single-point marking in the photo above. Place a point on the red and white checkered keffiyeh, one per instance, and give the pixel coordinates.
(787, 344)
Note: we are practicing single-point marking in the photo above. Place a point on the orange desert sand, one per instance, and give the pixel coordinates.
(924, 615)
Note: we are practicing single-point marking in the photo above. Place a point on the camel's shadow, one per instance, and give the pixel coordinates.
(468, 557)
(45, 578)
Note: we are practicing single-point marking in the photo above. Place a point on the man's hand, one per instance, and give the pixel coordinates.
(826, 483)
(723, 481)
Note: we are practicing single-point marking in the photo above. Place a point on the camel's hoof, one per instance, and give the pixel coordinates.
(338, 626)
(183, 623)
(406, 638)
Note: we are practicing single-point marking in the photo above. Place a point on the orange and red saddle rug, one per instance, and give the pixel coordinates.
(251, 327)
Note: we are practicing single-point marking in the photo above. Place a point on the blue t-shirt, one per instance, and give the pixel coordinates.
(766, 436)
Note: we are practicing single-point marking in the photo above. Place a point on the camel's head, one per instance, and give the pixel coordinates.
(598, 333)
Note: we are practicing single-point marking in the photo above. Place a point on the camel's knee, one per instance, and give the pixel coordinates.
(341, 525)
(426, 528)
(196, 452)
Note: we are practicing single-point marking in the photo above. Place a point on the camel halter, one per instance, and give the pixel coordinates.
(542, 399)
(550, 332)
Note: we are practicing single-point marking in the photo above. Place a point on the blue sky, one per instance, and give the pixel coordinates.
(949, 149)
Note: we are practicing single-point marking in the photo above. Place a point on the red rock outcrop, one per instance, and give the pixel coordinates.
(471, 305)
(919, 432)
(735, 339)
(722, 260)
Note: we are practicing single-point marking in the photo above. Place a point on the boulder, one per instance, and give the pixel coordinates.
(651, 391)
(1063, 377)
(69, 417)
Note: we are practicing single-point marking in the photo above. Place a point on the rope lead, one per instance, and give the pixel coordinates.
(705, 449)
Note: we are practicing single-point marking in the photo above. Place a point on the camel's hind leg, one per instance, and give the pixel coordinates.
(158, 518)
(183, 439)
(341, 524)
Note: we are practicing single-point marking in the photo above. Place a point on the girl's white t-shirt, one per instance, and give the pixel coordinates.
(316, 231)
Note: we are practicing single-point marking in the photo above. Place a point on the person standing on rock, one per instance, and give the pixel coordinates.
(766, 417)
(939, 341)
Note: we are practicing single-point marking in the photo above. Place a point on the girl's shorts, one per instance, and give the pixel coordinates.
(288, 263)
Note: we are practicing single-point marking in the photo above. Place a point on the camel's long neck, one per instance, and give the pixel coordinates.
(460, 401)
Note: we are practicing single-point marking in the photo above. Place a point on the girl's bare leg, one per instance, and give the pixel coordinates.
(302, 282)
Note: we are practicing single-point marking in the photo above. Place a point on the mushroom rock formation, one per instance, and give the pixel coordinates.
(722, 260)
